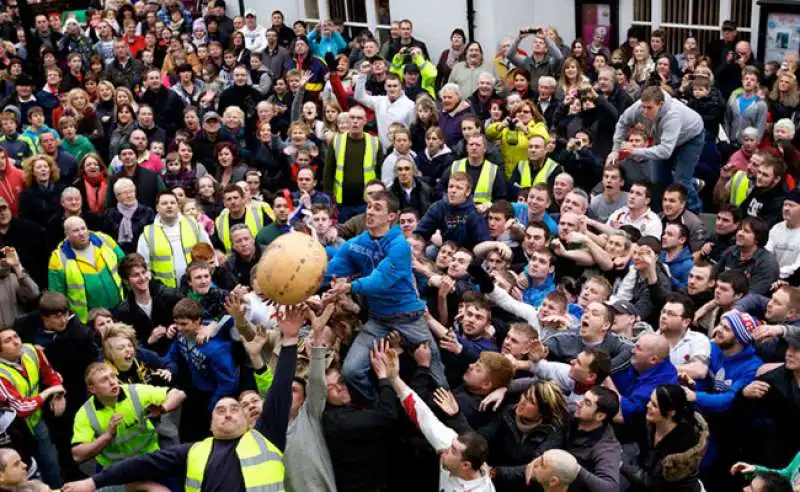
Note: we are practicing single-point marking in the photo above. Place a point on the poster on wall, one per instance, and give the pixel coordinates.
(783, 35)
(596, 16)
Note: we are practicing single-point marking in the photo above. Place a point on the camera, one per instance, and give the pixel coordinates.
(530, 31)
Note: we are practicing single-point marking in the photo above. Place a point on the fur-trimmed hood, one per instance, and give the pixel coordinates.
(679, 466)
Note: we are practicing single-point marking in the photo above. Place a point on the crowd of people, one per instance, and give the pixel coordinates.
(575, 267)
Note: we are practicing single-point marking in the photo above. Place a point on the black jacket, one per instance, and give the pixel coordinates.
(26, 237)
(711, 108)
(620, 99)
(420, 199)
(164, 299)
(203, 148)
(599, 454)
(357, 440)
(766, 204)
(273, 164)
(142, 216)
(246, 97)
(167, 108)
(671, 465)
(40, 205)
(555, 105)
(70, 352)
(601, 122)
(128, 76)
(240, 268)
(148, 186)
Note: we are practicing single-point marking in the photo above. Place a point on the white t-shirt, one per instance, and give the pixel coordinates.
(692, 347)
(648, 224)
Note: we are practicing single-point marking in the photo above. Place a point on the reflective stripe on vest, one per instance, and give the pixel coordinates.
(483, 188)
(261, 462)
(146, 436)
(542, 176)
(370, 156)
(76, 286)
(161, 254)
(28, 387)
(739, 188)
(252, 219)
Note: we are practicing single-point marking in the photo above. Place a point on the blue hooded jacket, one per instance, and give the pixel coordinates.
(726, 377)
(679, 267)
(461, 224)
(535, 294)
(383, 266)
(635, 389)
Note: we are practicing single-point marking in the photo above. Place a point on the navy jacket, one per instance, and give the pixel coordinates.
(459, 223)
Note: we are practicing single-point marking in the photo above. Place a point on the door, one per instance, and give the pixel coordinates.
(597, 18)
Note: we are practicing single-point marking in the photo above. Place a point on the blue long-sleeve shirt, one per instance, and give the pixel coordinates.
(635, 389)
(679, 267)
(210, 365)
(384, 268)
(726, 377)
(321, 45)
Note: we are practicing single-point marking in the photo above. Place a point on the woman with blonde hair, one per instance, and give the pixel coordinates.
(105, 106)
(572, 76)
(40, 201)
(79, 107)
(330, 116)
(785, 96)
(123, 96)
(512, 134)
(642, 65)
(131, 363)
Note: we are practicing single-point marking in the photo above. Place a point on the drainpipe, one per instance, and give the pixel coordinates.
(471, 20)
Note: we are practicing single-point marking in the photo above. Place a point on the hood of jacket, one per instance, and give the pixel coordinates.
(683, 465)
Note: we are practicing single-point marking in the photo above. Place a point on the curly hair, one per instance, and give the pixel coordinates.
(27, 168)
(230, 146)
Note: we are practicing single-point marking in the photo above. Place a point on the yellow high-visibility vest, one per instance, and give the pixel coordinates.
(483, 188)
(252, 219)
(27, 387)
(370, 156)
(261, 462)
(542, 176)
(161, 254)
(740, 187)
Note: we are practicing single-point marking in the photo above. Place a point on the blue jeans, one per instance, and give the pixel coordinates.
(47, 456)
(686, 158)
(414, 330)
(348, 211)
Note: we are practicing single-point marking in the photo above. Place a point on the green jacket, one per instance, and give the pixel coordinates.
(426, 68)
(269, 233)
(790, 473)
(78, 147)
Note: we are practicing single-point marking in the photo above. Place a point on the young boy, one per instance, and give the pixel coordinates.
(708, 104)
(455, 216)
(259, 75)
(321, 215)
(36, 127)
(212, 373)
(209, 297)
(76, 145)
(745, 108)
(18, 147)
(401, 145)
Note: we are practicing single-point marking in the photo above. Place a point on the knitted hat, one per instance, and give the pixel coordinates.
(787, 125)
(742, 324)
(13, 110)
(199, 24)
(793, 196)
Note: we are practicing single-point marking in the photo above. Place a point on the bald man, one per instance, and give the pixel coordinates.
(729, 74)
(83, 267)
(650, 367)
(554, 470)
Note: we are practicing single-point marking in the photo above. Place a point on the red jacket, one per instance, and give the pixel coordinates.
(10, 396)
(11, 185)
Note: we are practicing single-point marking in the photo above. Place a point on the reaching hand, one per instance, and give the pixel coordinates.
(172, 331)
(423, 355)
(493, 400)
(164, 374)
(318, 323)
(85, 485)
(58, 404)
(742, 467)
(765, 332)
(756, 390)
(377, 358)
(446, 286)
(235, 305)
(445, 400)
(538, 351)
(157, 334)
(256, 345)
(451, 344)
(291, 320)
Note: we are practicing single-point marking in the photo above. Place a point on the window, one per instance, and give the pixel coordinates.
(357, 15)
(699, 18)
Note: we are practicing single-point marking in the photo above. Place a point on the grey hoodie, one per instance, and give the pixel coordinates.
(674, 126)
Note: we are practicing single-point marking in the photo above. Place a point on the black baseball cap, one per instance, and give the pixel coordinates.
(623, 307)
(792, 338)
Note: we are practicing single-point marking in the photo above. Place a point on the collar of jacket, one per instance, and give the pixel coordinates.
(69, 251)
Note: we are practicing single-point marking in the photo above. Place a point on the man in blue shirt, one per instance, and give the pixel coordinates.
(381, 258)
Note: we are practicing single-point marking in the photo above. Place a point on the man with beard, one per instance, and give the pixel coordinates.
(766, 198)
(749, 256)
(170, 106)
(689, 350)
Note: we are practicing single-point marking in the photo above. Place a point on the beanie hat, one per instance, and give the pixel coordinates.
(742, 324)
(787, 125)
(199, 24)
(15, 111)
